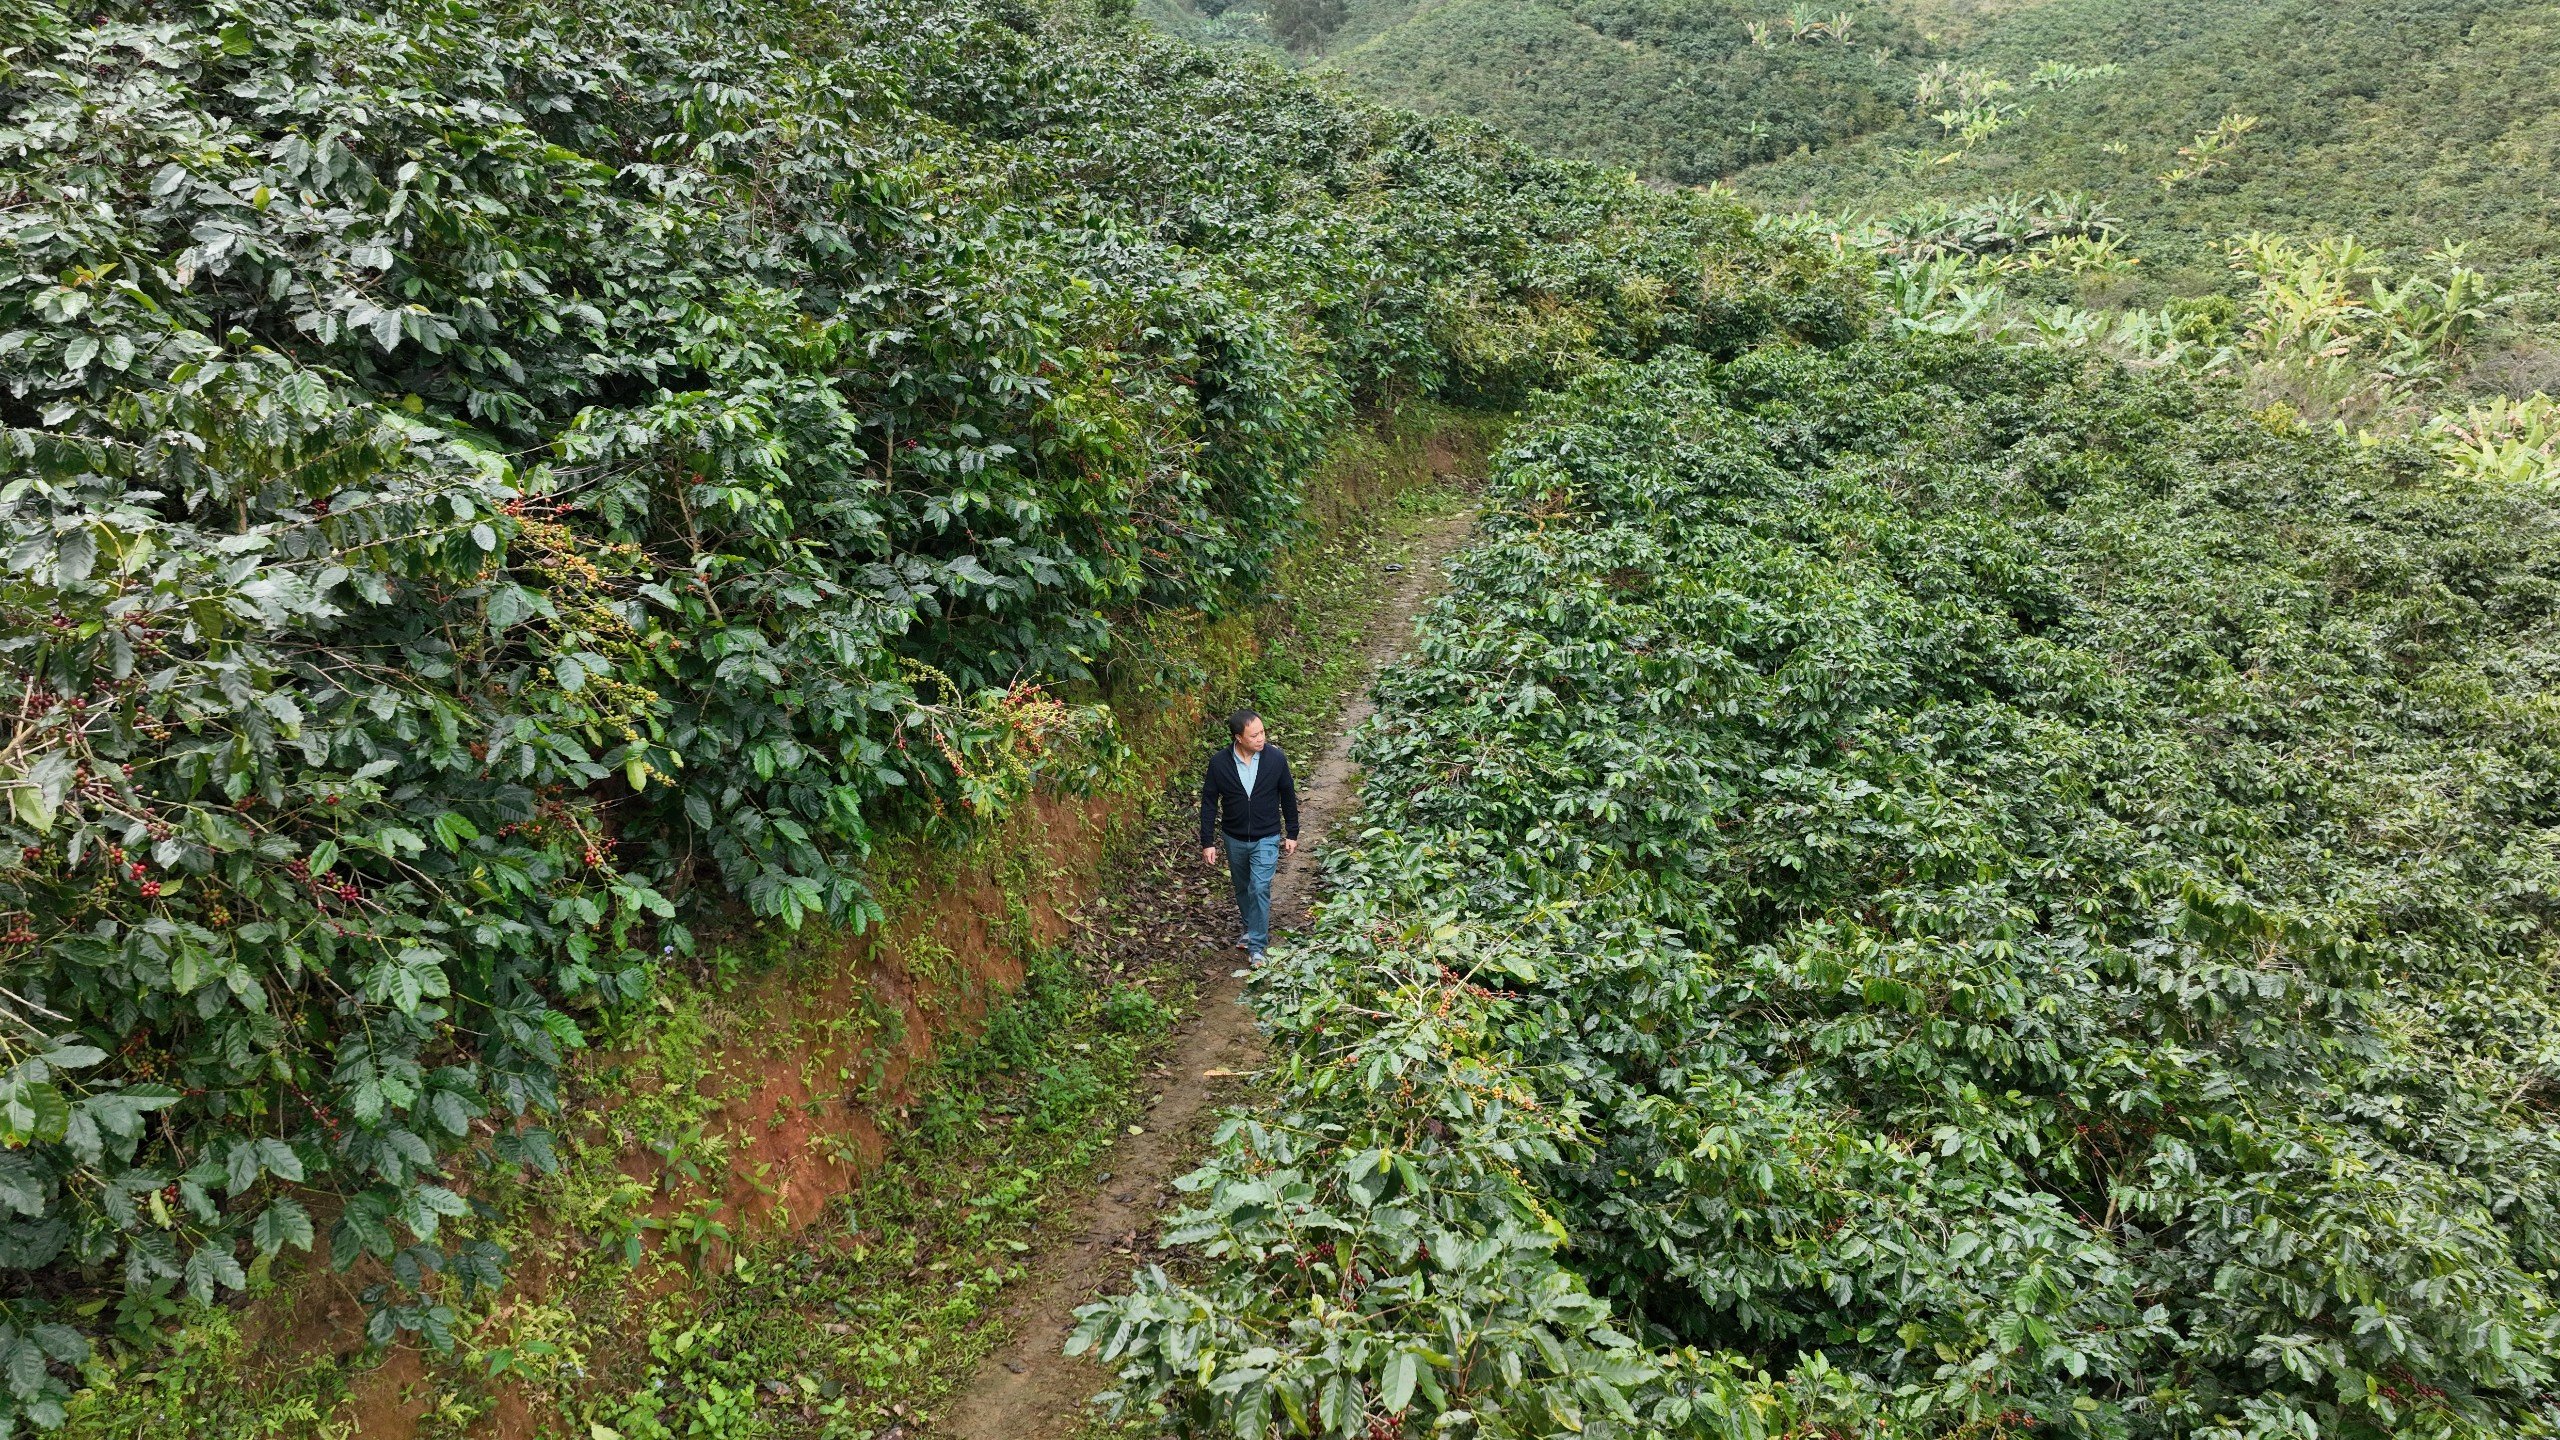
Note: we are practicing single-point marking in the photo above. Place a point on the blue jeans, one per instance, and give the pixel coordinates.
(1251, 864)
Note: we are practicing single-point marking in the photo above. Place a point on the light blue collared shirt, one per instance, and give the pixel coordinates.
(1247, 766)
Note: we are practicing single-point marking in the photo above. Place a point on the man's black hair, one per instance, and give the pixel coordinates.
(1239, 720)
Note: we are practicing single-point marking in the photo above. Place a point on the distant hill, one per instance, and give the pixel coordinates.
(2407, 122)
(1676, 89)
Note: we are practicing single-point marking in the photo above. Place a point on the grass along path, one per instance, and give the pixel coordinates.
(1029, 1389)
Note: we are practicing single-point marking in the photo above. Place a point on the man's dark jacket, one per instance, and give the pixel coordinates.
(1272, 809)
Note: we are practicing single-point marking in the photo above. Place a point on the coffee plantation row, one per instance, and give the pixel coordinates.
(493, 489)
(1918, 890)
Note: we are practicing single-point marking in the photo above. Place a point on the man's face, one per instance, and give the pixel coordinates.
(1249, 740)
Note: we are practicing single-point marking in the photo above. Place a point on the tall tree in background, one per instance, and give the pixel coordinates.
(1302, 25)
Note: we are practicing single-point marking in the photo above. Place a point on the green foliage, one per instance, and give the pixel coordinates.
(2516, 442)
(2410, 123)
(2026, 227)
(490, 488)
(2413, 124)
(1925, 890)
(892, 1301)
(1673, 89)
(2325, 328)
(2326, 319)
(1304, 24)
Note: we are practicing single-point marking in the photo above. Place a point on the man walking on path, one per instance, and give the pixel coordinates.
(1250, 786)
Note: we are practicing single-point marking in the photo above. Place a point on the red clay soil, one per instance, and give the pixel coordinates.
(1029, 1389)
(796, 1143)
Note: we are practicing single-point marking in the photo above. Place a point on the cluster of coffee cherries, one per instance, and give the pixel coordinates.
(345, 890)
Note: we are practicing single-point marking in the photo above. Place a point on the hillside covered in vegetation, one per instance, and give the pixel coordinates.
(1680, 91)
(2186, 124)
(1920, 890)
(1926, 881)
(2408, 125)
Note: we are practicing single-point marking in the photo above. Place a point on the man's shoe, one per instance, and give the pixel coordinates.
(1244, 945)
(1253, 957)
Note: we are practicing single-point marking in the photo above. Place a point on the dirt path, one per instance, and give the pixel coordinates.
(1029, 1389)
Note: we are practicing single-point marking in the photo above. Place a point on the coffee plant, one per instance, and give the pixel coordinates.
(490, 488)
(1927, 889)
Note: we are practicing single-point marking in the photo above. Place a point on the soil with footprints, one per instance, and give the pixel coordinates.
(1029, 1389)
